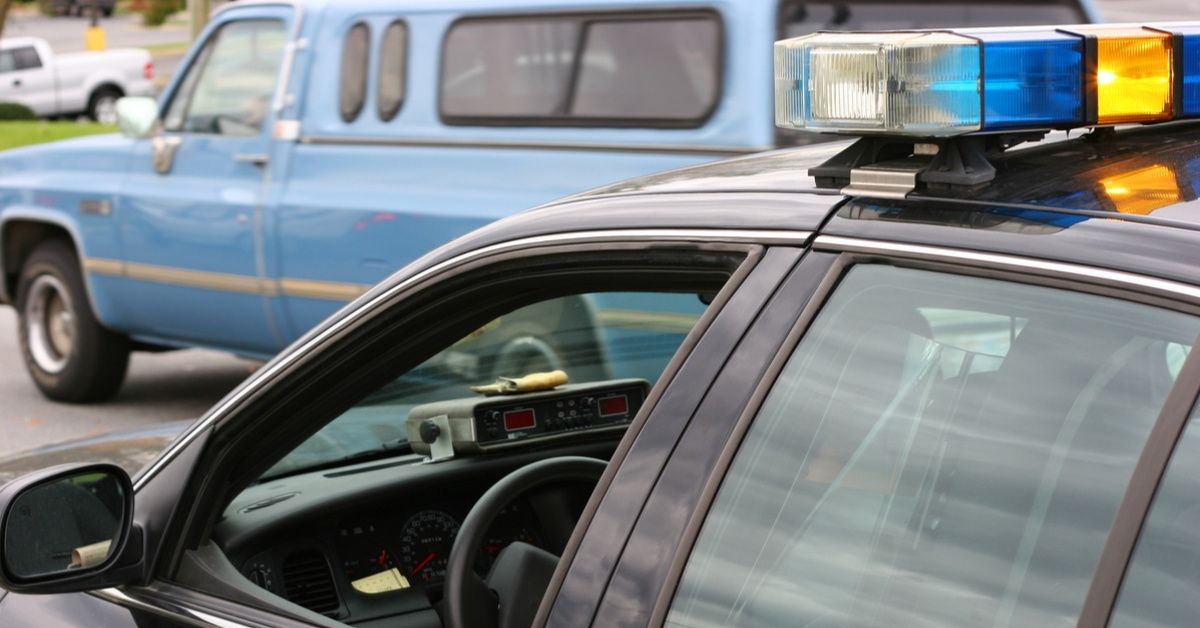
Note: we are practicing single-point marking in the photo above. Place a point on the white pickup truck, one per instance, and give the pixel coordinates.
(70, 84)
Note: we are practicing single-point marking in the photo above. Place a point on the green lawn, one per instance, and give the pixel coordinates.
(14, 134)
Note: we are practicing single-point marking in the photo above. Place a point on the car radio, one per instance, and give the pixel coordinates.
(478, 424)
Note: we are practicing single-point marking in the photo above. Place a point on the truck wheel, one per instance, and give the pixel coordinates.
(102, 106)
(70, 356)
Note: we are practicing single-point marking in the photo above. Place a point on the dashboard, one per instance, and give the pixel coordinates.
(369, 545)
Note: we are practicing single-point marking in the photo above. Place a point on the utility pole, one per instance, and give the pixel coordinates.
(198, 11)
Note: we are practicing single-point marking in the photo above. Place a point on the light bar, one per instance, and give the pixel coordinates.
(923, 83)
(944, 83)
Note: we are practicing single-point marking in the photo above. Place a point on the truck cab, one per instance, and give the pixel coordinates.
(306, 150)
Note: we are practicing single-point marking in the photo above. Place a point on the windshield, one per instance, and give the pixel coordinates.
(593, 337)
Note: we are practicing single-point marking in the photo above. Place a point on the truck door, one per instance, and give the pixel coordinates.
(27, 78)
(190, 211)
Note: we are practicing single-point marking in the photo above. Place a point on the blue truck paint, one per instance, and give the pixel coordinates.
(223, 252)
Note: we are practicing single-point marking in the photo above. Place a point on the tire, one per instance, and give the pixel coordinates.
(69, 354)
(102, 106)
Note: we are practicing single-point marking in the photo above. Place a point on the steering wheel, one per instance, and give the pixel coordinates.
(510, 596)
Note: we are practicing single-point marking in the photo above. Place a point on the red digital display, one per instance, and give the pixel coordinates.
(518, 419)
(614, 405)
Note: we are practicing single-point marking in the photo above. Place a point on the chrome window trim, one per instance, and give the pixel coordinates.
(1093, 274)
(188, 615)
(373, 302)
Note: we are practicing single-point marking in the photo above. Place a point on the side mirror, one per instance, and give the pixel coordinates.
(137, 116)
(68, 528)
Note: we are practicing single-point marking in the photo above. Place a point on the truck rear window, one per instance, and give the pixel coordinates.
(660, 69)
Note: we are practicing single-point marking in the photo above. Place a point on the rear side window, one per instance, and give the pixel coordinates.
(355, 52)
(648, 70)
(392, 62)
(940, 450)
(23, 58)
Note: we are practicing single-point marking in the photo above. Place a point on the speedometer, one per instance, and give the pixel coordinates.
(425, 542)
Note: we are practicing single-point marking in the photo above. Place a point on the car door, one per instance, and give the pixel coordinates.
(190, 210)
(940, 442)
(24, 78)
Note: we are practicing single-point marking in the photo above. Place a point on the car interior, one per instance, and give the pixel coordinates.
(358, 522)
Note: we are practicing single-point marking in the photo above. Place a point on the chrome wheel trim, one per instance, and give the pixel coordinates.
(49, 324)
(106, 110)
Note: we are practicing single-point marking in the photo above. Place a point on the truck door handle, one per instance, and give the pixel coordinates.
(16, 82)
(258, 159)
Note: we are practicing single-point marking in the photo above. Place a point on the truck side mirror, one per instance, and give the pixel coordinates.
(68, 528)
(137, 116)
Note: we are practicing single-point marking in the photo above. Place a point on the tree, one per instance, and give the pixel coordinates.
(4, 4)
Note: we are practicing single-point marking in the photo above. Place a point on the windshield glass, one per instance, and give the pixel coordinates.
(592, 337)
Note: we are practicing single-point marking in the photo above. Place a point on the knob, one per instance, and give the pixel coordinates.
(429, 431)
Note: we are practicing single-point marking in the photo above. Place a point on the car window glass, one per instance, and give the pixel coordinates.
(938, 450)
(1164, 574)
(392, 61)
(508, 68)
(593, 337)
(23, 58)
(228, 89)
(648, 69)
(355, 53)
(660, 69)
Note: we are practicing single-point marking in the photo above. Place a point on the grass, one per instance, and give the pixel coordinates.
(14, 134)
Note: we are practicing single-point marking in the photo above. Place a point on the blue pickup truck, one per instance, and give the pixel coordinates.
(306, 149)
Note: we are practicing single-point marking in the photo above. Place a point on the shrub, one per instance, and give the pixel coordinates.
(15, 111)
(158, 11)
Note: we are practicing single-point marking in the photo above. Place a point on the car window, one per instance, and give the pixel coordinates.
(938, 450)
(227, 90)
(23, 58)
(659, 69)
(1164, 574)
(592, 337)
(392, 62)
(355, 55)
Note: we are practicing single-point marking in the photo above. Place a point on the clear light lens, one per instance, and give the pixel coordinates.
(914, 83)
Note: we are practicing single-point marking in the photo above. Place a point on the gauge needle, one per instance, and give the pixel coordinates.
(421, 565)
(382, 558)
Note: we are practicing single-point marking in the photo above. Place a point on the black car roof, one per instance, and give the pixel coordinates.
(1126, 201)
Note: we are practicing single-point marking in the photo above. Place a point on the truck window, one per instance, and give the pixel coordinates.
(23, 58)
(227, 90)
(392, 61)
(355, 53)
(650, 70)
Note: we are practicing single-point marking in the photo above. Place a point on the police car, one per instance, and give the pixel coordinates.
(306, 149)
(942, 375)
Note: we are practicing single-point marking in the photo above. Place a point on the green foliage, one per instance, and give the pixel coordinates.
(157, 11)
(15, 111)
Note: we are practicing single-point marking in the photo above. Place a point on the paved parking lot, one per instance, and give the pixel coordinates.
(161, 387)
(182, 384)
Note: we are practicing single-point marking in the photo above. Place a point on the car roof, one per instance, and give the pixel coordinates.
(1066, 186)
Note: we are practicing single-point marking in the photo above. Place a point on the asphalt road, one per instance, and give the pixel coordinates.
(182, 384)
(161, 387)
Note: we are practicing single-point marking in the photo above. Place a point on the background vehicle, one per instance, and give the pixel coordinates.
(81, 83)
(278, 183)
(83, 7)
